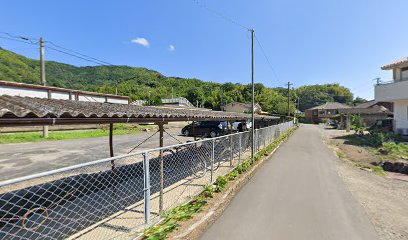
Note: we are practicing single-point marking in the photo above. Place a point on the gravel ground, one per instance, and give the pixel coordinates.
(385, 200)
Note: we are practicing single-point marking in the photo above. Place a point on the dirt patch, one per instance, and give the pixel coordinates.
(384, 199)
(351, 152)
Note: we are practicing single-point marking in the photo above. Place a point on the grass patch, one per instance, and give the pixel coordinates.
(119, 129)
(394, 150)
(340, 154)
(375, 169)
(182, 213)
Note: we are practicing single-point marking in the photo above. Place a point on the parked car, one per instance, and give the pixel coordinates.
(207, 128)
(384, 125)
(241, 126)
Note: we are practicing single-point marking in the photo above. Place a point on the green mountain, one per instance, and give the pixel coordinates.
(138, 82)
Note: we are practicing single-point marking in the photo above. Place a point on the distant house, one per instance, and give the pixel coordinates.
(327, 110)
(396, 91)
(241, 107)
(370, 111)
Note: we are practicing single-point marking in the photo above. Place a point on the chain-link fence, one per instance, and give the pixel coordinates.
(113, 197)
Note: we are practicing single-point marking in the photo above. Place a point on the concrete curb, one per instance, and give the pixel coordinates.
(200, 226)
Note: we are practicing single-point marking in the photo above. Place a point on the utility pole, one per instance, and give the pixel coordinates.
(43, 81)
(116, 87)
(253, 94)
(289, 84)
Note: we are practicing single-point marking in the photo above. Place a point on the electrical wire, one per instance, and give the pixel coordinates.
(73, 55)
(17, 40)
(267, 59)
(220, 15)
(78, 53)
(20, 38)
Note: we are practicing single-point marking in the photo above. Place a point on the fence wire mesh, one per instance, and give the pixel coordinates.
(112, 198)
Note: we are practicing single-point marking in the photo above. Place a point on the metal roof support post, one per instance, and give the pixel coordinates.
(146, 174)
(231, 143)
(161, 130)
(111, 153)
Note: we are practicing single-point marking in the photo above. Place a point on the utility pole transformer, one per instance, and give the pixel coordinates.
(253, 95)
(289, 84)
(43, 81)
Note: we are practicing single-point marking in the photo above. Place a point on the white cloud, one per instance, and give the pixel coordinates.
(172, 48)
(141, 41)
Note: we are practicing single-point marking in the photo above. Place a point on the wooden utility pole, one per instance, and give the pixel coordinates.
(289, 84)
(253, 94)
(43, 81)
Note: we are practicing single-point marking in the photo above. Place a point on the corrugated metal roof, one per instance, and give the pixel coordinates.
(16, 107)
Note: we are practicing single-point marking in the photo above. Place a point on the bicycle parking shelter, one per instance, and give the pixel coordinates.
(27, 111)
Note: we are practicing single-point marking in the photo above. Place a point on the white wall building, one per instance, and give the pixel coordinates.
(38, 91)
(396, 92)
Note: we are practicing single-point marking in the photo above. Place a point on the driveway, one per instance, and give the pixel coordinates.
(297, 194)
(23, 159)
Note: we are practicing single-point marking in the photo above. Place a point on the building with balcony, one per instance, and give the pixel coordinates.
(396, 92)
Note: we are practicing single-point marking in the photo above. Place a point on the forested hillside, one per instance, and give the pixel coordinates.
(137, 82)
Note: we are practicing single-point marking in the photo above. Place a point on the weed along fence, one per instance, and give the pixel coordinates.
(113, 197)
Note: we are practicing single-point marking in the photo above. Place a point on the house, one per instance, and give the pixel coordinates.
(370, 111)
(396, 92)
(327, 110)
(241, 107)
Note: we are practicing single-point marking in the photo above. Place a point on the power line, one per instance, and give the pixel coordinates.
(73, 55)
(78, 53)
(17, 40)
(58, 48)
(18, 37)
(267, 59)
(219, 14)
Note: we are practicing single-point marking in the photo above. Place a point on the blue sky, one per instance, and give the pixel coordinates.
(307, 42)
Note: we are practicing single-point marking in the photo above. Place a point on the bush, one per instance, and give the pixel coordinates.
(221, 183)
(358, 125)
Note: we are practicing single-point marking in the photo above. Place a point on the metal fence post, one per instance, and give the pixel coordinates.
(146, 188)
(231, 149)
(212, 161)
(239, 148)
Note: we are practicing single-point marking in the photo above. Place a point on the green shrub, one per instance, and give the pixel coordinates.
(221, 183)
(357, 124)
(396, 150)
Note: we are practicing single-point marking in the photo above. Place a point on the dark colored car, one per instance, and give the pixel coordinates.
(211, 129)
(383, 125)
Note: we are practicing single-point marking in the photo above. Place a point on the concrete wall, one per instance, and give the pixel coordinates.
(392, 91)
(401, 114)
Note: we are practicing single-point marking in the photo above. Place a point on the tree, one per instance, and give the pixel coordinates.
(359, 100)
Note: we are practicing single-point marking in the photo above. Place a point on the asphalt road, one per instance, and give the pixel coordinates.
(296, 195)
(23, 159)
